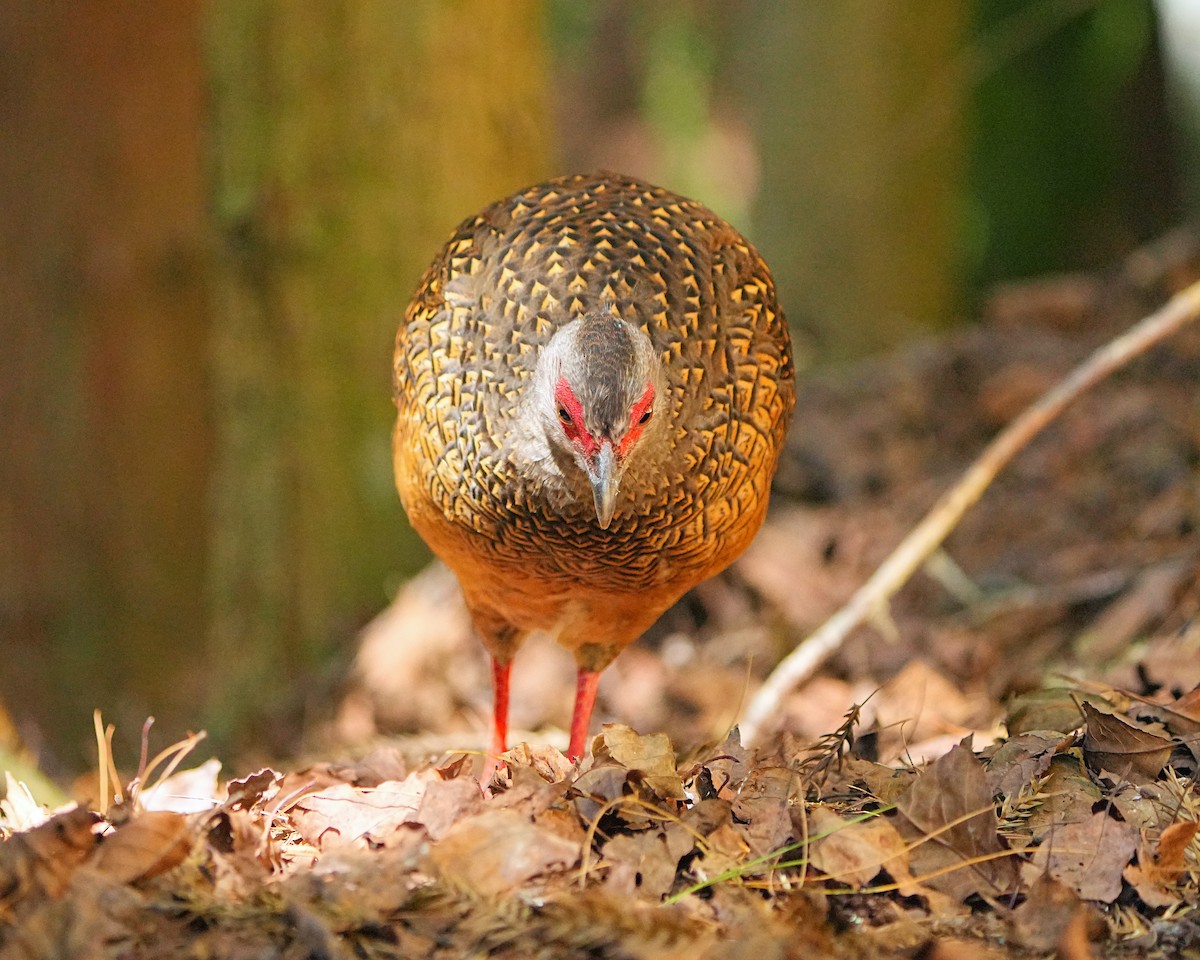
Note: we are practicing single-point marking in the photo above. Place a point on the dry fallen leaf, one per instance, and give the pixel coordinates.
(42, 861)
(645, 863)
(1113, 743)
(762, 809)
(1154, 875)
(495, 853)
(248, 791)
(1050, 906)
(853, 852)
(1088, 857)
(1020, 760)
(947, 814)
(651, 756)
(145, 846)
(188, 791)
(345, 814)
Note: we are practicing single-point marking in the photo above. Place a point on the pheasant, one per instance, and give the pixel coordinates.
(593, 381)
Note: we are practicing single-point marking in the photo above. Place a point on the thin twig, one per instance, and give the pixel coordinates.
(942, 518)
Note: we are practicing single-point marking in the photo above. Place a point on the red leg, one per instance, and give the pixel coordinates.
(500, 673)
(585, 698)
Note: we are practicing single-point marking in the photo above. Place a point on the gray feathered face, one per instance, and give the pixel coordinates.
(600, 385)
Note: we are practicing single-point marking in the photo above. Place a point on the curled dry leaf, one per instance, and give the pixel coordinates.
(1113, 743)
(253, 789)
(1020, 760)
(145, 846)
(1154, 875)
(645, 863)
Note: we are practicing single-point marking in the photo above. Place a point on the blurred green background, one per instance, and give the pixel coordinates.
(213, 214)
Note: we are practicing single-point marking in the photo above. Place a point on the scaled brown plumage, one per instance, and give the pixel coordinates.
(593, 382)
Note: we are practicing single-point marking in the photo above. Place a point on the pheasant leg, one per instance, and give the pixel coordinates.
(585, 698)
(500, 675)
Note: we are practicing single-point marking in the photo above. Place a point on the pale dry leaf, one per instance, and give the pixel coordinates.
(18, 809)
(346, 814)
(445, 802)
(652, 756)
(188, 791)
(498, 852)
(1088, 856)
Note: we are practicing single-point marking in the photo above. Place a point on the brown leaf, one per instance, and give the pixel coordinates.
(1069, 795)
(1049, 907)
(651, 756)
(1114, 744)
(646, 863)
(1052, 709)
(853, 852)
(42, 861)
(762, 808)
(445, 802)
(546, 762)
(497, 852)
(246, 792)
(1019, 761)
(1172, 845)
(1153, 876)
(147, 845)
(949, 808)
(1088, 857)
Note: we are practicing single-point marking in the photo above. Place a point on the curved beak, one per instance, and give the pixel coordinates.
(602, 472)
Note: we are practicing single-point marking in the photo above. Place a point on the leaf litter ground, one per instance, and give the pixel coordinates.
(1017, 778)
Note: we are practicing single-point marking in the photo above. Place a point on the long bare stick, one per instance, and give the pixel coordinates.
(914, 549)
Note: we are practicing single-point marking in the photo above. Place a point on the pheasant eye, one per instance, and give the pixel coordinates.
(564, 415)
(645, 417)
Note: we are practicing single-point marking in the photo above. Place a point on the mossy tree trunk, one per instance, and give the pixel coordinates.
(104, 429)
(349, 139)
(858, 110)
(211, 218)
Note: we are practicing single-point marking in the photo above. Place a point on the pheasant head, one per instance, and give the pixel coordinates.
(597, 396)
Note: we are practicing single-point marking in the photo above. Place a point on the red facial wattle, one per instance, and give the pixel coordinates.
(570, 415)
(639, 416)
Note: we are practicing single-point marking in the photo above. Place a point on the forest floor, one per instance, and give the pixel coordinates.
(1002, 764)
